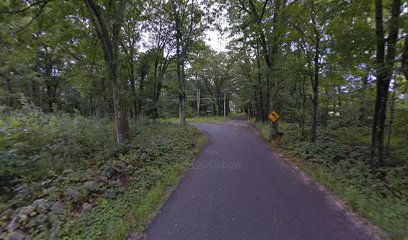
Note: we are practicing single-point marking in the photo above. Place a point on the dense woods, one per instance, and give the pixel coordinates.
(333, 70)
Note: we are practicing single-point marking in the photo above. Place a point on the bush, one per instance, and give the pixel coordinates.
(36, 146)
(61, 172)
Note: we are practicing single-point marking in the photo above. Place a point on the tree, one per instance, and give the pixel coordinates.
(186, 18)
(311, 28)
(161, 34)
(385, 57)
(108, 21)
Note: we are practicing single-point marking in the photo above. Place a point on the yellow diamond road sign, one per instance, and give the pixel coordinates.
(273, 116)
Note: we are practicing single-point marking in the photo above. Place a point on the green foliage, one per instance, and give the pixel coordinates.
(75, 161)
(34, 145)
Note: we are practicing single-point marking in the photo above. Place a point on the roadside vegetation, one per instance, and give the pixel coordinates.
(339, 159)
(64, 176)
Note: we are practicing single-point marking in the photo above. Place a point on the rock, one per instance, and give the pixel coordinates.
(23, 218)
(111, 193)
(13, 224)
(27, 210)
(107, 171)
(6, 214)
(121, 165)
(103, 179)
(86, 207)
(93, 186)
(16, 236)
(40, 205)
(143, 156)
(71, 193)
(24, 190)
(46, 183)
(89, 185)
(130, 167)
(67, 171)
(37, 221)
(57, 208)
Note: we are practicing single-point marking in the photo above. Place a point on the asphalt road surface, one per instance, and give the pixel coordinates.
(238, 188)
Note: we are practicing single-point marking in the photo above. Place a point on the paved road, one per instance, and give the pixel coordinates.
(238, 188)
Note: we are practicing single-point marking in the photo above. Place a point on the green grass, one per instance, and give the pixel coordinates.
(344, 171)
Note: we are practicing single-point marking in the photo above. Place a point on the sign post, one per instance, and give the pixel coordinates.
(274, 116)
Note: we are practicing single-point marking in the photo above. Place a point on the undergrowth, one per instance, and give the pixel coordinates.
(63, 176)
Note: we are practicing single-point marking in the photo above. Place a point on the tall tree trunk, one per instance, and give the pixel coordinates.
(260, 104)
(119, 107)
(48, 85)
(198, 98)
(302, 90)
(384, 71)
(404, 57)
(155, 110)
(315, 94)
(180, 65)
(133, 89)
(182, 94)
(156, 96)
(392, 110)
(110, 47)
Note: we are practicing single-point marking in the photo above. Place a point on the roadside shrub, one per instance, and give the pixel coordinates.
(60, 172)
(35, 146)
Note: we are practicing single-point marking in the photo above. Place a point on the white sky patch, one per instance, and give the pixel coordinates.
(216, 41)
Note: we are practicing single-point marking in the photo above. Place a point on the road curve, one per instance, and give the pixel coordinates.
(238, 188)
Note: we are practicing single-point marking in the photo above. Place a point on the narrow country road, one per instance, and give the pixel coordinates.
(238, 188)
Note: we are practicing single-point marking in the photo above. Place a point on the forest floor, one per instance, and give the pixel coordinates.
(64, 177)
(340, 161)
